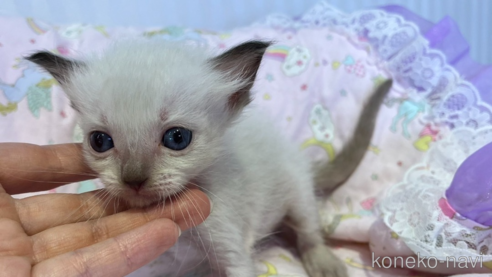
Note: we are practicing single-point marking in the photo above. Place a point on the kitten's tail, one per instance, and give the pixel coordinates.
(332, 174)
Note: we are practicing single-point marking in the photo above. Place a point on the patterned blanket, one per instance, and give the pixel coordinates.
(314, 81)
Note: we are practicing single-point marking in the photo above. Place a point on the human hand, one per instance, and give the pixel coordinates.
(86, 234)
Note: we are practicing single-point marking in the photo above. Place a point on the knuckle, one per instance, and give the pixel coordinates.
(26, 214)
(99, 231)
(125, 253)
(80, 265)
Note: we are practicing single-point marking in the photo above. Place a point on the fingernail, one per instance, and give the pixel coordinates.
(179, 230)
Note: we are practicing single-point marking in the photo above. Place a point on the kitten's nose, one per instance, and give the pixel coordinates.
(135, 184)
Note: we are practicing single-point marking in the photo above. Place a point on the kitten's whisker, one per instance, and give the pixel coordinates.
(105, 204)
(184, 218)
(107, 196)
(96, 196)
(202, 216)
(173, 217)
(100, 202)
(116, 204)
(198, 233)
(212, 244)
(179, 195)
(163, 202)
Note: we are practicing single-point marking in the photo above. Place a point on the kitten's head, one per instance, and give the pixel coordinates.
(154, 113)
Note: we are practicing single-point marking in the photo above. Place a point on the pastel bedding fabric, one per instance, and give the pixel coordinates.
(314, 82)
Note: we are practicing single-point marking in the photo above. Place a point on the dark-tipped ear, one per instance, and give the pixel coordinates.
(59, 67)
(241, 62)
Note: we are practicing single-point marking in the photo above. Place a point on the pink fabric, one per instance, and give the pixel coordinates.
(312, 81)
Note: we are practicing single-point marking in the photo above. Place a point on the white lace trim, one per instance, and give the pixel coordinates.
(420, 222)
(450, 101)
(398, 45)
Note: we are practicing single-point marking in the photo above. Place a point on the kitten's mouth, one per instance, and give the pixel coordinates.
(145, 198)
(141, 200)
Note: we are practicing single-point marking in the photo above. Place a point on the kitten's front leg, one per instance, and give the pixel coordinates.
(232, 260)
(243, 267)
(318, 259)
(229, 248)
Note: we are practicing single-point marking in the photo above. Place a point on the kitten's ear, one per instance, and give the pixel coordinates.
(59, 67)
(241, 63)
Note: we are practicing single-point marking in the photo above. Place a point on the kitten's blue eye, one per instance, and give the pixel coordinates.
(101, 142)
(177, 138)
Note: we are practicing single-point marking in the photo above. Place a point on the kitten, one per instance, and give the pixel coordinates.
(160, 115)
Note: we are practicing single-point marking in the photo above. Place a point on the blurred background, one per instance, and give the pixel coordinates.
(473, 16)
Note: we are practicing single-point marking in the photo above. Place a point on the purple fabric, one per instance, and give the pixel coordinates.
(446, 37)
(470, 193)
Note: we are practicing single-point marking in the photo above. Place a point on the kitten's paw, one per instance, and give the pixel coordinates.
(320, 261)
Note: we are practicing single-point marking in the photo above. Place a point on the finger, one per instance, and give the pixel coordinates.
(117, 256)
(30, 168)
(41, 212)
(38, 213)
(7, 206)
(15, 266)
(13, 240)
(190, 209)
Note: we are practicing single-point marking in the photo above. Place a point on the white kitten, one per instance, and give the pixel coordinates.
(158, 115)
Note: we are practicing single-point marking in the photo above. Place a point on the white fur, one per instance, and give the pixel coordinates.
(254, 176)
